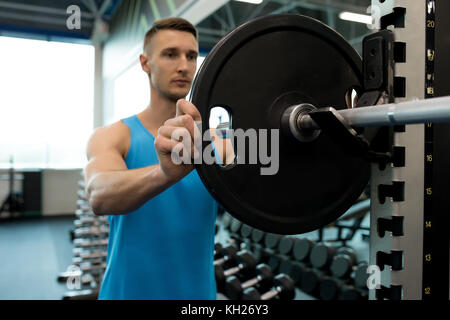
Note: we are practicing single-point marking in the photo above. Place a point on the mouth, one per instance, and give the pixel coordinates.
(181, 81)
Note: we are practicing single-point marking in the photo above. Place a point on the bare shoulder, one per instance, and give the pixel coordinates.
(115, 136)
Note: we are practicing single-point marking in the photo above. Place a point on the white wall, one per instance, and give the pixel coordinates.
(59, 191)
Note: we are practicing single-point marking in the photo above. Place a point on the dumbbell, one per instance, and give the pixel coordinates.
(228, 257)
(294, 269)
(271, 240)
(92, 257)
(78, 272)
(234, 288)
(310, 281)
(78, 261)
(83, 205)
(91, 219)
(217, 250)
(344, 263)
(246, 244)
(257, 235)
(92, 267)
(88, 222)
(81, 184)
(302, 249)
(260, 253)
(246, 231)
(226, 220)
(89, 243)
(90, 294)
(322, 255)
(83, 213)
(361, 275)
(95, 231)
(276, 260)
(349, 292)
(83, 253)
(282, 289)
(87, 281)
(81, 195)
(235, 227)
(284, 248)
(245, 265)
(330, 288)
(285, 245)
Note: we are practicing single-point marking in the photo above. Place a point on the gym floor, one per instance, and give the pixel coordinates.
(33, 252)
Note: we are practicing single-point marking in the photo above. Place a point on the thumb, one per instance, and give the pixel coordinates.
(185, 107)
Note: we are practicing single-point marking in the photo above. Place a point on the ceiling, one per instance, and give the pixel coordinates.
(47, 18)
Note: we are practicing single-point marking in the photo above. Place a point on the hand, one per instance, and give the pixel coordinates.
(175, 139)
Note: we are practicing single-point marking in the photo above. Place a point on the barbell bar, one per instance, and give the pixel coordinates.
(434, 110)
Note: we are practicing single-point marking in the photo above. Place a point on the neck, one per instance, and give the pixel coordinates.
(158, 111)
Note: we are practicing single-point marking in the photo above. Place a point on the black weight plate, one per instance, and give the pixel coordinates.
(256, 72)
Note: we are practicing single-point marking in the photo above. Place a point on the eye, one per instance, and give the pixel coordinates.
(169, 54)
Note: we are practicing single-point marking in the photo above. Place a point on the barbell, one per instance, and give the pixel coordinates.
(294, 74)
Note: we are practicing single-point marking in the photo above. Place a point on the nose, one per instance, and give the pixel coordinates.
(183, 65)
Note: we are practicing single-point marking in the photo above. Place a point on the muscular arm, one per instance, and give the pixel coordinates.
(111, 187)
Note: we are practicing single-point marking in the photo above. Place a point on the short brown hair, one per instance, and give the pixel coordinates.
(173, 23)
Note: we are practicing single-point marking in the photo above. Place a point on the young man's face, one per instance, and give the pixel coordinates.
(172, 58)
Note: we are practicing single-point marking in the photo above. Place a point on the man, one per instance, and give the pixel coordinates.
(161, 216)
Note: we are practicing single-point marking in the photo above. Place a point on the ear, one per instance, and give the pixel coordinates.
(143, 58)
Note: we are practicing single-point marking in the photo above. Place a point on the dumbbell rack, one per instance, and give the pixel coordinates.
(281, 257)
(90, 239)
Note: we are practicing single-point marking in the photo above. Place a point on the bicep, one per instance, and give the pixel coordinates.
(103, 155)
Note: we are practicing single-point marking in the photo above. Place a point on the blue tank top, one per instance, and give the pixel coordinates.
(164, 249)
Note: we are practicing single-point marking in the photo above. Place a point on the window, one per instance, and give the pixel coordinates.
(46, 103)
(131, 92)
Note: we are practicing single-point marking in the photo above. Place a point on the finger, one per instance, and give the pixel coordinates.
(186, 107)
(182, 154)
(185, 121)
(164, 144)
(168, 131)
(175, 122)
(182, 137)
